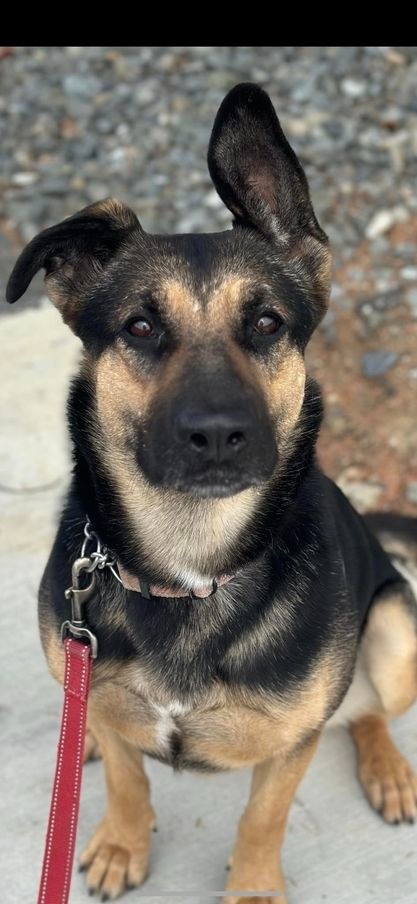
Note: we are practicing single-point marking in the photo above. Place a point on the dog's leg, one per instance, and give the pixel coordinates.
(255, 860)
(385, 775)
(389, 652)
(118, 853)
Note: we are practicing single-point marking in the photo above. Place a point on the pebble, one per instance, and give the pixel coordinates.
(382, 221)
(84, 86)
(352, 87)
(24, 178)
(377, 363)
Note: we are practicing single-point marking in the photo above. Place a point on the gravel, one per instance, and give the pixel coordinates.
(134, 122)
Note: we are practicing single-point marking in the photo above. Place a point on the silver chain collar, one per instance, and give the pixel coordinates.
(101, 556)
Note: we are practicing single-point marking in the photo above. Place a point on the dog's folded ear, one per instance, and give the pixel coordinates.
(256, 172)
(73, 253)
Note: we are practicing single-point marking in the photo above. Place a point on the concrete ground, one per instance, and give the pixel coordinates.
(337, 850)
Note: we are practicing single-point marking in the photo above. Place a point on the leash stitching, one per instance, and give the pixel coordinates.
(57, 784)
(76, 778)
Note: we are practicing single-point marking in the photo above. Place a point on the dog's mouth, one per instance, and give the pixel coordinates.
(211, 481)
(213, 485)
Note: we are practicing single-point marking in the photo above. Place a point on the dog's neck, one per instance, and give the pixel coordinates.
(177, 539)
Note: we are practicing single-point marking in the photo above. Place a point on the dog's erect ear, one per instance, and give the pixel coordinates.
(73, 253)
(256, 172)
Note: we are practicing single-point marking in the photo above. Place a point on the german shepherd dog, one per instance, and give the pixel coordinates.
(254, 599)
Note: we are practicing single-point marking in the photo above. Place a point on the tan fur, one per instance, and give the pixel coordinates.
(385, 679)
(309, 262)
(233, 736)
(388, 657)
(68, 305)
(223, 729)
(255, 863)
(181, 308)
(388, 780)
(284, 389)
(278, 734)
(116, 210)
(118, 853)
(54, 652)
(194, 320)
(390, 649)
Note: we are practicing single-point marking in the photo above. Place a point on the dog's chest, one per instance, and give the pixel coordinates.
(217, 730)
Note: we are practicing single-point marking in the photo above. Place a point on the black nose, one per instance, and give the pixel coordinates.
(217, 437)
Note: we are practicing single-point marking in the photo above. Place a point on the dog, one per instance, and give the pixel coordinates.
(248, 603)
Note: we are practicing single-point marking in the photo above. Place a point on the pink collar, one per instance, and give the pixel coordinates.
(131, 582)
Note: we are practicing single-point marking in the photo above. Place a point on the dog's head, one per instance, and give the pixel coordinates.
(196, 342)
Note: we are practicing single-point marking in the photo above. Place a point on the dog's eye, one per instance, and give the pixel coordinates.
(141, 328)
(267, 324)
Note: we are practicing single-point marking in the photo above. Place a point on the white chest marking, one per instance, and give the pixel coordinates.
(165, 724)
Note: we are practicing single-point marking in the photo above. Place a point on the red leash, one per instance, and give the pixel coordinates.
(63, 816)
(80, 650)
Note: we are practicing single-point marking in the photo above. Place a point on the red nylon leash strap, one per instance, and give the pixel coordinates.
(63, 816)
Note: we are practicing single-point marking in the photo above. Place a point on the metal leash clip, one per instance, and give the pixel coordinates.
(76, 626)
(101, 556)
(87, 563)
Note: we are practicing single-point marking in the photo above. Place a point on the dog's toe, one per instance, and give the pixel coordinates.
(113, 868)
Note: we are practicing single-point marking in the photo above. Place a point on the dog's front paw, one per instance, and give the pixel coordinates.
(115, 862)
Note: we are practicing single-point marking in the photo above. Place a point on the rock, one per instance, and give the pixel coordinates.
(83, 86)
(353, 87)
(383, 220)
(375, 364)
(380, 223)
(24, 178)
